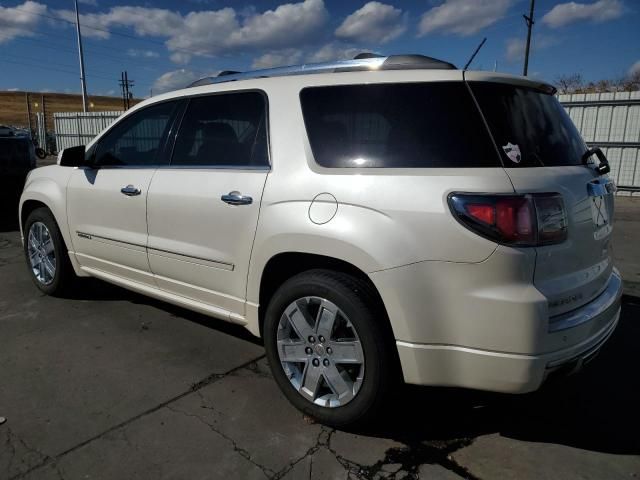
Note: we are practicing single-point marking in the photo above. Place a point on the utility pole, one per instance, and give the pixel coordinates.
(83, 81)
(529, 21)
(125, 85)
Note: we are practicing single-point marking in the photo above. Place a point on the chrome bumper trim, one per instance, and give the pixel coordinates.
(591, 310)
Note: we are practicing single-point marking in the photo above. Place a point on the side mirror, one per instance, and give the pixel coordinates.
(72, 157)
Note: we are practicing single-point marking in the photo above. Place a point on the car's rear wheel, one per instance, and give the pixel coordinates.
(328, 348)
(46, 254)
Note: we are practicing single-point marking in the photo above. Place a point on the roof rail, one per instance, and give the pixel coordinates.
(362, 62)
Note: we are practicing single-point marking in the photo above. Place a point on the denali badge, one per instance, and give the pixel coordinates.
(565, 300)
(512, 151)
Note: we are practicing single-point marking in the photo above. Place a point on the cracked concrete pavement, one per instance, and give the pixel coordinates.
(111, 385)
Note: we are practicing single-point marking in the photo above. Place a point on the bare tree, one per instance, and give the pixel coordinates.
(573, 83)
(631, 82)
(569, 83)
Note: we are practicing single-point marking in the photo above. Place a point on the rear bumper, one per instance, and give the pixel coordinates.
(505, 342)
(447, 365)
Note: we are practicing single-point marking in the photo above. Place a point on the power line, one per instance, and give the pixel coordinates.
(125, 85)
(58, 48)
(106, 30)
(53, 69)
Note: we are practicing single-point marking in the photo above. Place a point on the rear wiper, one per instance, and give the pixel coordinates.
(603, 167)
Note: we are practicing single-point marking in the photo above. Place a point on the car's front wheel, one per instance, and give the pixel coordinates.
(328, 347)
(46, 254)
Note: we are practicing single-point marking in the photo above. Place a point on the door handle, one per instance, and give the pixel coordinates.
(236, 198)
(130, 191)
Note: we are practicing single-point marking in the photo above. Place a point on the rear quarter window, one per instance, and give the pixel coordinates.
(530, 127)
(405, 125)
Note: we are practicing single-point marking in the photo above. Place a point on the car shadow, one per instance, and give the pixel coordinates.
(596, 409)
(97, 290)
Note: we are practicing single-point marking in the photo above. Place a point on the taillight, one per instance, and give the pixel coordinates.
(523, 220)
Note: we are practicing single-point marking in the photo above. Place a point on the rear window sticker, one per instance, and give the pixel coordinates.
(513, 152)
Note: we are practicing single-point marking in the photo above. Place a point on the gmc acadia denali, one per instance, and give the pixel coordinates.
(373, 220)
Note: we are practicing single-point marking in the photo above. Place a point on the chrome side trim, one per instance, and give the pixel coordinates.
(207, 262)
(608, 298)
(111, 241)
(249, 168)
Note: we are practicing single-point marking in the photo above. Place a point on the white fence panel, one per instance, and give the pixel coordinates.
(79, 128)
(612, 122)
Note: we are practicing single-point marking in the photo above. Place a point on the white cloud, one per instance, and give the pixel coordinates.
(212, 32)
(144, 21)
(516, 46)
(279, 58)
(20, 21)
(93, 3)
(566, 13)
(174, 80)
(334, 51)
(287, 24)
(462, 17)
(634, 69)
(133, 52)
(181, 58)
(374, 22)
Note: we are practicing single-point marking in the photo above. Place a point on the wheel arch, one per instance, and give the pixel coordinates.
(284, 265)
(45, 192)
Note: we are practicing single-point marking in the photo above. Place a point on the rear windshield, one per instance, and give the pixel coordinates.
(530, 128)
(405, 125)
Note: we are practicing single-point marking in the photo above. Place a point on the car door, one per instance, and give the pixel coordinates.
(106, 205)
(203, 208)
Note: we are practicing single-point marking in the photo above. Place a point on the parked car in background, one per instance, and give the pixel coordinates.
(17, 158)
(374, 220)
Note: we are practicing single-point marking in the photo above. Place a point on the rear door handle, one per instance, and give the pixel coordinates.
(130, 191)
(236, 198)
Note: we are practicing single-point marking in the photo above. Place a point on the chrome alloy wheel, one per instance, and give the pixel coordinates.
(320, 352)
(42, 256)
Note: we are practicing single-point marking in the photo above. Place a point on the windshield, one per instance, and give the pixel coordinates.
(530, 127)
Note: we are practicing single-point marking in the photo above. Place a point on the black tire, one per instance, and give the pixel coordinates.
(64, 274)
(40, 153)
(355, 298)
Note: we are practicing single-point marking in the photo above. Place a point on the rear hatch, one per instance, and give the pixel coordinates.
(542, 151)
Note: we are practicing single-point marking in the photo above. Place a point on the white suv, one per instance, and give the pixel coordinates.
(374, 220)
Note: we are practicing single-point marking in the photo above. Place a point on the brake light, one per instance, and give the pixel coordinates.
(523, 220)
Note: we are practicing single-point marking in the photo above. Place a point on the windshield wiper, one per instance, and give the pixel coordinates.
(603, 167)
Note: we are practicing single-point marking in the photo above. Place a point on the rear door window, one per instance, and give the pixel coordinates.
(530, 127)
(404, 125)
(223, 130)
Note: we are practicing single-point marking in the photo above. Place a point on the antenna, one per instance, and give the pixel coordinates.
(475, 53)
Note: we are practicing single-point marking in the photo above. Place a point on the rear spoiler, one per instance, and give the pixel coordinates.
(494, 77)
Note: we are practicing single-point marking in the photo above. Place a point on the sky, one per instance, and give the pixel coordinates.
(167, 44)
